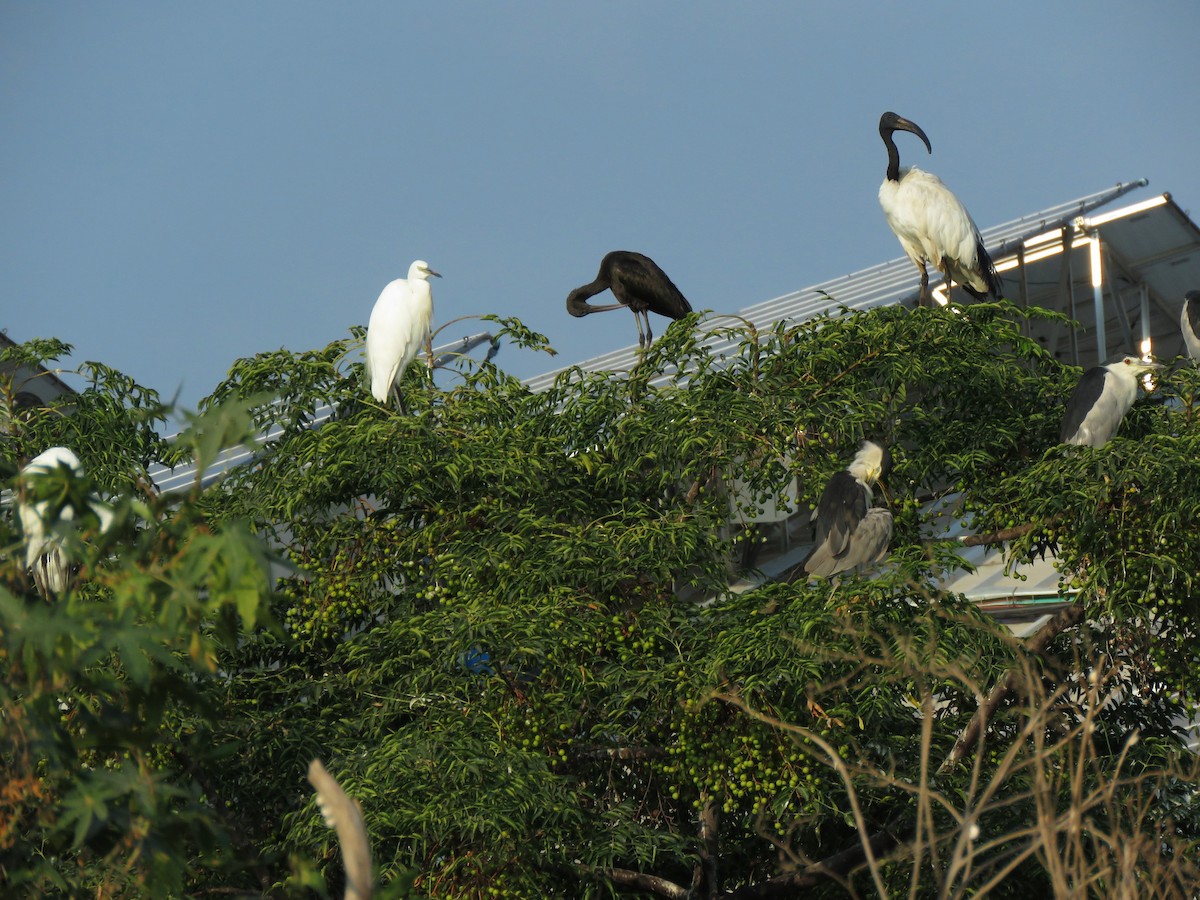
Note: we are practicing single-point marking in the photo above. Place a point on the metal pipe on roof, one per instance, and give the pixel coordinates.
(1118, 301)
(1068, 273)
(1023, 281)
(1144, 296)
(446, 354)
(1096, 262)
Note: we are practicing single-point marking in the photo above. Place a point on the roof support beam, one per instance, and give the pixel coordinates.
(1096, 259)
(1066, 283)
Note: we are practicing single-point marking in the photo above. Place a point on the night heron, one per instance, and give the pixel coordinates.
(850, 532)
(1101, 399)
(639, 284)
(931, 223)
(398, 328)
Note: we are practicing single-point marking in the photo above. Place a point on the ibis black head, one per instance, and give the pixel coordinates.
(577, 304)
(890, 122)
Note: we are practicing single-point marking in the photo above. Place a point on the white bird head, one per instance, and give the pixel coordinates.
(48, 460)
(420, 270)
(1129, 364)
(1134, 364)
(47, 463)
(871, 462)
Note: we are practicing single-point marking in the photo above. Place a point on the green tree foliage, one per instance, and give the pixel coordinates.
(106, 723)
(506, 623)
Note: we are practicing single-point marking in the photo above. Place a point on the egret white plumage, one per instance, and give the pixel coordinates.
(931, 223)
(1189, 323)
(851, 532)
(639, 284)
(398, 328)
(1101, 399)
(45, 555)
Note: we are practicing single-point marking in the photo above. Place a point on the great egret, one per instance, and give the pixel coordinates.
(398, 328)
(931, 223)
(850, 532)
(45, 555)
(639, 284)
(1101, 399)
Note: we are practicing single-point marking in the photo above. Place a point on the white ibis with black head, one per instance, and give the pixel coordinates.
(45, 555)
(1101, 399)
(932, 224)
(1189, 323)
(398, 328)
(639, 284)
(851, 532)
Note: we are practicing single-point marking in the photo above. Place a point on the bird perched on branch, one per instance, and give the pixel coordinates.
(931, 223)
(850, 532)
(639, 284)
(1101, 399)
(42, 519)
(398, 328)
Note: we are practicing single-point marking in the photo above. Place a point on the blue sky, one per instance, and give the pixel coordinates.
(182, 184)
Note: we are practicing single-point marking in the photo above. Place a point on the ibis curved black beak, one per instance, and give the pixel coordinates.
(890, 122)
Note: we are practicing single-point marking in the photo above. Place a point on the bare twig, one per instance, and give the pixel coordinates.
(639, 880)
(1066, 618)
(998, 537)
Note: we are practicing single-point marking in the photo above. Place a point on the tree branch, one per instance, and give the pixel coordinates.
(639, 880)
(846, 861)
(1065, 618)
(841, 864)
(837, 866)
(704, 877)
(620, 753)
(998, 537)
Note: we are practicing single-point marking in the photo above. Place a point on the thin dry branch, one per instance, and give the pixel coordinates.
(627, 878)
(1071, 615)
(998, 537)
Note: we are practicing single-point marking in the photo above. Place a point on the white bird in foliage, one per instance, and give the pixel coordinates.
(931, 223)
(45, 555)
(398, 328)
(1189, 323)
(1101, 399)
(850, 532)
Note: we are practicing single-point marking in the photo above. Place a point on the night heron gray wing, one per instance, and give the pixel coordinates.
(849, 530)
(843, 504)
